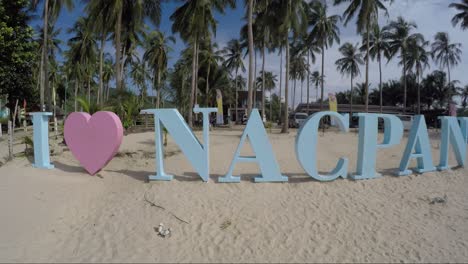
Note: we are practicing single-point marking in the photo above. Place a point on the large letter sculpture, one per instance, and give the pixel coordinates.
(197, 154)
(262, 149)
(419, 142)
(306, 146)
(452, 134)
(41, 140)
(367, 150)
(93, 140)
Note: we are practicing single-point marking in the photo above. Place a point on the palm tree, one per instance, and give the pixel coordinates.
(51, 11)
(268, 81)
(367, 13)
(297, 71)
(234, 62)
(100, 15)
(417, 57)
(108, 72)
(399, 35)
(83, 49)
(124, 12)
(211, 56)
(157, 46)
(349, 65)
(445, 53)
(378, 47)
(194, 21)
(251, 60)
(288, 18)
(316, 79)
(461, 17)
(464, 94)
(325, 33)
(139, 75)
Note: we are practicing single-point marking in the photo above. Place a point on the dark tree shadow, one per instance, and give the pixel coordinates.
(68, 168)
(137, 175)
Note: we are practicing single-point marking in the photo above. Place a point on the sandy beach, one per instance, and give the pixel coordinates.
(65, 215)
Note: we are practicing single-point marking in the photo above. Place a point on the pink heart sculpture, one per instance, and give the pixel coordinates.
(93, 140)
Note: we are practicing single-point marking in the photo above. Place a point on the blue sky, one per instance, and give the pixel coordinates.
(431, 17)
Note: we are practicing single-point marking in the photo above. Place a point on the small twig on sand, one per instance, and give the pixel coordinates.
(160, 207)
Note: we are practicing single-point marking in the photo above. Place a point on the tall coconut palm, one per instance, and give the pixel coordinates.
(461, 17)
(234, 63)
(120, 12)
(399, 35)
(298, 71)
(445, 53)
(316, 79)
(251, 60)
(157, 46)
(464, 95)
(140, 75)
(210, 57)
(51, 11)
(349, 65)
(417, 57)
(289, 18)
(325, 33)
(83, 48)
(107, 74)
(378, 48)
(194, 21)
(99, 13)
(268, 81)
(367, 13)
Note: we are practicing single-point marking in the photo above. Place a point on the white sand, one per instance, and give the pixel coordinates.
(64, 215)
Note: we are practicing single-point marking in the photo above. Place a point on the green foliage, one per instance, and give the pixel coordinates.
(128, 110)
(92, 107)
(18, 52)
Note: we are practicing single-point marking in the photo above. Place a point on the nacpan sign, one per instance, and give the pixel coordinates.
(454, 133)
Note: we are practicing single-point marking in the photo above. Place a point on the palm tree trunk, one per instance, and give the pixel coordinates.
(158, 89)
(263, 82)
(89, 90)
(302, 88)
(367, 69)
(405, 82)
(294, 96)
(192, 89)
(448, 73)
(251, 59)
(308, 81)
(281, 79)
(380, 84)
(254, 103)
(316, 93)
(419, 94)
(271, 106)
(76, 95)
(323, 77)
(207, 89)
(450, 96)
(285, 115)
(101, 63)
(44, 54)
(122, 67)
(118, 50)
(236, 119)
(351, 100)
